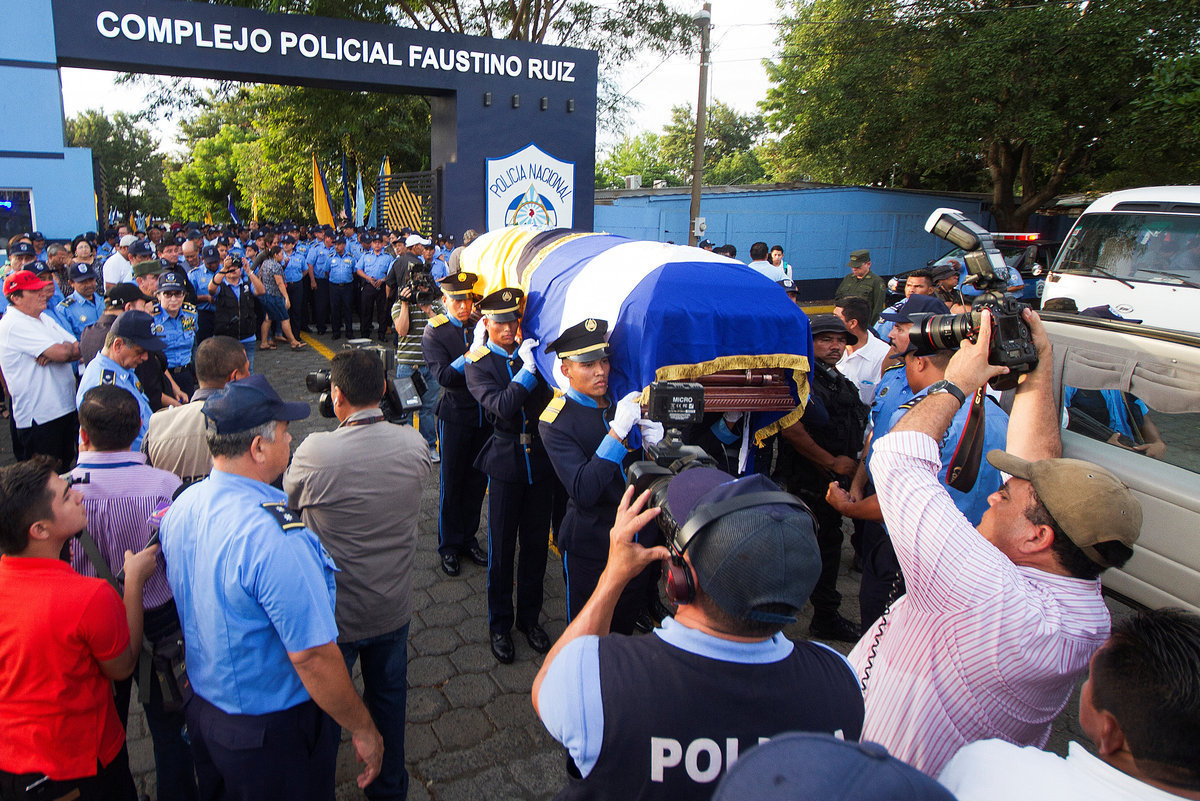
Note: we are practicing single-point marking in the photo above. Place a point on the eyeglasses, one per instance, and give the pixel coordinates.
(171, 293)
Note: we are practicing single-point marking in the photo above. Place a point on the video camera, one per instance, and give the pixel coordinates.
(421, 286)
(400, 396)
(674, 404)
(1012, 343)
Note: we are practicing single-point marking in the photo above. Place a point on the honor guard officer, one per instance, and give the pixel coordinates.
(255, 594)
(462, 428)
(372, 267)
(127, 345)
(175, 324)
(504, 380)
(341, 288)
(83, 306)
(585, 435)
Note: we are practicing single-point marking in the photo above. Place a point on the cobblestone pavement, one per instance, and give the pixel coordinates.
(472, 733)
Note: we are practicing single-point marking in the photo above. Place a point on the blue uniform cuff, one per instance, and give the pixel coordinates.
(460, 364)
(526, 378)
(722, 432)
(610, 449)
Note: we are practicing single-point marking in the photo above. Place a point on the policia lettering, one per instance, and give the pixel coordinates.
(702, 759)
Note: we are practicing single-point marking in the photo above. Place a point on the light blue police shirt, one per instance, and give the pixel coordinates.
(103, 370)
(248, 592)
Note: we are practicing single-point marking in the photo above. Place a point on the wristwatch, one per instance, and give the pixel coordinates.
(944, 387)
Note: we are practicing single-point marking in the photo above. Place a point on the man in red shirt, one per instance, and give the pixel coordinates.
(63, 637)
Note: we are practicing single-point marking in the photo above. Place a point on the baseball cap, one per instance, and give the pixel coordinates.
(81, 272)
(23, 280)
(37, 236)
(123, 293)
(22, 249)
(127, 240)
(248, 403)
(147, 267)
(943, 271)
(1106, 313)
(915, 304)
(140, 247)
(287, 239)
(762, 551)
(137, 327)
(1090, 504)
(210, 254)
(828, 324)
(339, 240)
(705, 243)
(805, 766)
(415, 239)
(172, 280)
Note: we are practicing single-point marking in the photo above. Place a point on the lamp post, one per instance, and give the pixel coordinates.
(703, 19)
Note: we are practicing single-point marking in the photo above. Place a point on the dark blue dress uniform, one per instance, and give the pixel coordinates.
(462, 428)
(520, 484)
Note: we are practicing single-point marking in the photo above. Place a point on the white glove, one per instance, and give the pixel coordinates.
(731, 418)
(629, 411)
(652, 431)
(480, 334)
(525, 353)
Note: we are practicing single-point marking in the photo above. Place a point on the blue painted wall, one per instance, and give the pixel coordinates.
(32, 155)
(818, 228)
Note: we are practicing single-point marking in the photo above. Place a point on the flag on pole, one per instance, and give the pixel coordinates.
(254, 207)
(360, 202)
(349, 212)
(385, 169)
(322, 207)
(233, 215)
(208, 218)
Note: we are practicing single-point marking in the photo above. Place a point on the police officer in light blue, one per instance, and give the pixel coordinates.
(127, 345)
(372, 267)
(341, 288)
(83, 306)
(201, 276)
(255, 593)
(175, 323)
(353, 246)
(317, 260)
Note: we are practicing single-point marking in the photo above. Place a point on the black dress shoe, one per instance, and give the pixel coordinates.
(478, 555)
(450, 564)
(537, 637)
(502, 647)
(835, 627)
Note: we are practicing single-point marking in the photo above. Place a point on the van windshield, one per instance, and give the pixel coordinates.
(1156, 248)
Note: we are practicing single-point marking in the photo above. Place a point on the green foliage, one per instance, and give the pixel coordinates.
(257, 144)
(133, 171)
(637, 155)
(729, 142)
(1024, 100)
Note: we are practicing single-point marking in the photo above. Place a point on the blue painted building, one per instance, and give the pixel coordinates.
(44, 185)
(817, 225)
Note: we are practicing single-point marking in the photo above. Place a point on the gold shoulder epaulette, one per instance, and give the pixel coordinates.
(440, 319)
(475, 354)
(550, 413)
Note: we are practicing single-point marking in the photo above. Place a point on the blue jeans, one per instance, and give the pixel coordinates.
(250, 343)
(385, 685)
(427, 422)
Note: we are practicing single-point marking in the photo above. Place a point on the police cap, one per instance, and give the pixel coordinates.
(81, 272)
(582, 342)
(503, 305)
(249, 403)
(459, 285)
(210, 254)
(172, 281)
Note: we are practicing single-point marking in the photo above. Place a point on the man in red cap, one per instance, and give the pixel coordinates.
(36, 354)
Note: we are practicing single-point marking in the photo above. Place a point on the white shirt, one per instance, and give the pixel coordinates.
(40, 394)
(863, 367)
(117, 269)
(993, 770)
(978, 647)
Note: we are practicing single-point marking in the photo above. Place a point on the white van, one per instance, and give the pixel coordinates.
(1137, 251)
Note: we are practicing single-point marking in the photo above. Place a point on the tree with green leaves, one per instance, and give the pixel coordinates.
(1023, 100)
(132, 167)
(730, 141)
(639, 155)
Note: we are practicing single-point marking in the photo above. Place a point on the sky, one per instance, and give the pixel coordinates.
(742, 35)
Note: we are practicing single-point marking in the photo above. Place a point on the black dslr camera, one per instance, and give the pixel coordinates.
(1012, 344)
(401, 396)
(674, 404)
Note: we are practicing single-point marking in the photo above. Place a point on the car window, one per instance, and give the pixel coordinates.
(1132, 427)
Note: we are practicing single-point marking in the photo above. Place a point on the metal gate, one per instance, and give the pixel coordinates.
(411, 200)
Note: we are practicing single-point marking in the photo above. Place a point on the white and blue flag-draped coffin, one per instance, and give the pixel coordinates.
(674, 313)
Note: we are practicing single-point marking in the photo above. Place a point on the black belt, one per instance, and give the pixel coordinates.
(524, 439)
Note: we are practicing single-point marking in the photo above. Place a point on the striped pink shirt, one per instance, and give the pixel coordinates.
(978, 648)
(121, 494)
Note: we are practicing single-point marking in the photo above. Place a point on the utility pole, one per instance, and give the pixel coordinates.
(703, 20)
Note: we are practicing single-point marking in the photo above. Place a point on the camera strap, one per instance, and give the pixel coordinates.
(968, 456)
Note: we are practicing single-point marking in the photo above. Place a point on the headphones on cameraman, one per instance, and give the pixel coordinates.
(681, 587)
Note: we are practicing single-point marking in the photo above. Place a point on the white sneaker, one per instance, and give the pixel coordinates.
(434, 456)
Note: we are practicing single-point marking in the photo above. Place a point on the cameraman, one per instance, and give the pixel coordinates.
(412, 311)
(661, 716)
(345, 484)
(999, 620)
